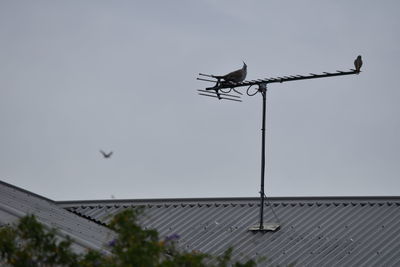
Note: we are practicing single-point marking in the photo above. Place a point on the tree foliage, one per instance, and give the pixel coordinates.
(29, 244)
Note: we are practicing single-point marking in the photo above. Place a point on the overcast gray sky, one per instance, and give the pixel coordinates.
(80, 76)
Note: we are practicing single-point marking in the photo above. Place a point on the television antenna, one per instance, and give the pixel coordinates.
(228, 90)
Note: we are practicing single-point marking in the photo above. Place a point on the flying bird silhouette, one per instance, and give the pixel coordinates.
(358, 63)
(236, 76)
(106, 155)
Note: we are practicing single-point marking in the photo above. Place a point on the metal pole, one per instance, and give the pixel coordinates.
(263, 89)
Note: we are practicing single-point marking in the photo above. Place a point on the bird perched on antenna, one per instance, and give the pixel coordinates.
(358, 63)
(236, 76)
(106, 155)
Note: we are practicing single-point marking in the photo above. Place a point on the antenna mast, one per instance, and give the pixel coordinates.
(226, 90)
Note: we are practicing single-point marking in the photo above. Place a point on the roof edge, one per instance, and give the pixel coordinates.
(74, 203)
(26, 191)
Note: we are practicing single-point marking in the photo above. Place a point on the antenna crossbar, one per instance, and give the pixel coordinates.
(222, 85)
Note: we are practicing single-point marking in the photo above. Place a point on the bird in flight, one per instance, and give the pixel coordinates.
(236, 76)
(106, 155)
(358, 63)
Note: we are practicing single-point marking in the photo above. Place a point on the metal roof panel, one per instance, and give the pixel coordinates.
(315, 231)
(16, 203)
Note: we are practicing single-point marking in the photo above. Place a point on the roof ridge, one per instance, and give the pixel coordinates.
(232, 200)
(26, 191)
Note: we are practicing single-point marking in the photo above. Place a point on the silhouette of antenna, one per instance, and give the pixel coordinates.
(227, 90)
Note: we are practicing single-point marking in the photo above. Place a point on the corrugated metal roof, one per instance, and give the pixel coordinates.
(16, 203)
(315, 231)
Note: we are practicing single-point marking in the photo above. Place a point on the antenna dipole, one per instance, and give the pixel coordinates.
(226, 90)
